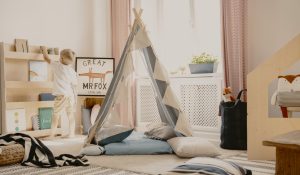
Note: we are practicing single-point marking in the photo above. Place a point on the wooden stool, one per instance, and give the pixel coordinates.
(287, 153)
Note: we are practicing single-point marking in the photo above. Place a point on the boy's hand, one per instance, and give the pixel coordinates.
(45, 54)
(43, 48)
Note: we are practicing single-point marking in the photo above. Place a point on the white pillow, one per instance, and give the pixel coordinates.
(94, 113)
(92, 150)
(207, 165)
(193, 147)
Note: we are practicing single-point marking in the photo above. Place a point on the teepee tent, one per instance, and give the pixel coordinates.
(118, 103)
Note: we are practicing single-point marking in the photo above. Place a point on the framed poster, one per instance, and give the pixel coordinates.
(38, 71)
(94, 75)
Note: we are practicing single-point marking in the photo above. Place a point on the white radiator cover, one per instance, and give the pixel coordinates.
(199, 96)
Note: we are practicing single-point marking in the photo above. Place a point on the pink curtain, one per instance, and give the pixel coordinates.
(234, 44)
(120, 21)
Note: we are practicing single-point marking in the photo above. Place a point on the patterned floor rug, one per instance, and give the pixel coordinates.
(257, 167)
(67, 170)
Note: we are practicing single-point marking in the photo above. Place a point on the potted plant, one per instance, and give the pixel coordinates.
(204, 63)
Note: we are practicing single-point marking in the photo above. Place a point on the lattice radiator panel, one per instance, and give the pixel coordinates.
(147, 108)
(199, 98)
(199, 103)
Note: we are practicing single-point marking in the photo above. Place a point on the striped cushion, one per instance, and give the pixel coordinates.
(211, 166)
(258, 167)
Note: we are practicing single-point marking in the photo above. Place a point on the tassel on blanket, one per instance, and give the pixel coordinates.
(38, 154)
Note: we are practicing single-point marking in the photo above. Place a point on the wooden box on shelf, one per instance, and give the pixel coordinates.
(17, 91)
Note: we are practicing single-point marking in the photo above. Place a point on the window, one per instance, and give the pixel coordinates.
(180, 29)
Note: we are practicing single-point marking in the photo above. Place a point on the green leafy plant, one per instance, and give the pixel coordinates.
(204, 58)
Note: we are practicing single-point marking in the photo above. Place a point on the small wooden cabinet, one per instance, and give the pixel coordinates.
(16, 89)
(287, 152)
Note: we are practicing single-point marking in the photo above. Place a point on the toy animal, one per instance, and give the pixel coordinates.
(227, 95)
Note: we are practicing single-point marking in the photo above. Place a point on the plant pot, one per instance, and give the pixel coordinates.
(203, 68)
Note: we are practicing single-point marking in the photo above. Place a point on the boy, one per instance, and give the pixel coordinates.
(64, 88)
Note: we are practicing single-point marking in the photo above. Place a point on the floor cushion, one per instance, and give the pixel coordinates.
(112, 134)
(207, 165)
(92, 150)
(138, 144)
(193, 147)
(86, 120)
(160, 131)
(94, 113)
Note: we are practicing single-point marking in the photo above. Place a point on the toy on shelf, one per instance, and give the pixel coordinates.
(21, 45)
(227, 95)
(287, 95)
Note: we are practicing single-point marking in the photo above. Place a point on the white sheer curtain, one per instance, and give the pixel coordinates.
(180, 29)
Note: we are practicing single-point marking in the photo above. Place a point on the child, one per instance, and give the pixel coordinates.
(64, 88)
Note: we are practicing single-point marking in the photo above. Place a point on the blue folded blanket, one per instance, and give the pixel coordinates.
(138, 144)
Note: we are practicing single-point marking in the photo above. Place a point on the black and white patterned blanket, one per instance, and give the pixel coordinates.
(37, 154)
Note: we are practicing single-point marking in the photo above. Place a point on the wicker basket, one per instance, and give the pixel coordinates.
(11, 154)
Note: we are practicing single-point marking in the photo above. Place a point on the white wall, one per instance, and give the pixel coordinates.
(81, 25)
(271, 24)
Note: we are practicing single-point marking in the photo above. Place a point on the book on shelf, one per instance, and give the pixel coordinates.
(45, 118)
(46, 97)
(38, 71)
(15, 120)
(35, 122)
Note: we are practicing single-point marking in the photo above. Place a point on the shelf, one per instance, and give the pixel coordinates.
(42, 133)
(27, 56)
(38, 104)
(28, 85)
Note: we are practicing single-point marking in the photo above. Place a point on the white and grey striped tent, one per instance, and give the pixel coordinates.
(120, 89)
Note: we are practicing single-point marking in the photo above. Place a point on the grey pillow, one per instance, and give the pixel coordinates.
(86, 120)
(111, 134)
(161, 131)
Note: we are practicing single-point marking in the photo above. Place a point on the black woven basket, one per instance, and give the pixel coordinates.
(234, 124)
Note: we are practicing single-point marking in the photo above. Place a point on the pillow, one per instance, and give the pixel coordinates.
(116, 133)
(92, 150)
(161, 131)
(86, 120)
(207, 165)
(193, 147)
(138, 144)
(94, 113)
